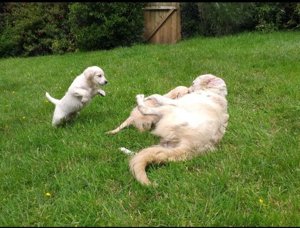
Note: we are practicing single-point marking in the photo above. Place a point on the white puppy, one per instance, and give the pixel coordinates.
(187, 126)
(81, 91)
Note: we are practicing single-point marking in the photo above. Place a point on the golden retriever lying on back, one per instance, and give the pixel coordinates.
(188, 126)
(145, 122)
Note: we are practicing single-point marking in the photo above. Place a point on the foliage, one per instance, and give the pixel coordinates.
(190, 19)
(106, 25)
(35, 28)
(30, 31)
(49, 28)
(277, 16)
(214, 19)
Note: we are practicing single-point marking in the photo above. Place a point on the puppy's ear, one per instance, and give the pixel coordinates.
(88, 72)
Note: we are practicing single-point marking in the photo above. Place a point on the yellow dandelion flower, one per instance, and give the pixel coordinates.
(262, 202)
(48, 194)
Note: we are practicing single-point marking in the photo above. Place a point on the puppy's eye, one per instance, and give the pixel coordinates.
(100, 75)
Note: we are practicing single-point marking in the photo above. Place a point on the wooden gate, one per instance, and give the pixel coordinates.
(162, 22)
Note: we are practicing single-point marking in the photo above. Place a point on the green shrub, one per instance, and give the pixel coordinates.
(106, 25)
(277, 16)
(190, 19)
(35, 29)
(29, 29)
(214, 19)
(10, 42)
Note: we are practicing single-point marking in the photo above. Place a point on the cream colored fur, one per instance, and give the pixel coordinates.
(145, 122)
(188, 126)
(80, 93)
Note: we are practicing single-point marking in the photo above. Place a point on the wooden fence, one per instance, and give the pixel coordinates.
(162, 22)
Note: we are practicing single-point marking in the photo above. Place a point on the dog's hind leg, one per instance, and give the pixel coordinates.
(126, 123)
(58, 117)
(126, 151)
(57, 121)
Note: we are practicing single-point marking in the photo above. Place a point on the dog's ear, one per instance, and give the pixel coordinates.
(209, 81)
(88, 72)
(217, 84)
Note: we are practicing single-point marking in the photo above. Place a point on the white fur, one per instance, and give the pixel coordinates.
(126, 151)
(81, 91)
(187, 126)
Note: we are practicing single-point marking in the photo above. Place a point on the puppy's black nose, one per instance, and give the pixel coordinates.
(105, 82)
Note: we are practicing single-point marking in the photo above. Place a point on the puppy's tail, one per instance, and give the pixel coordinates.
(126, 123)
(155, 154)
(51, 99)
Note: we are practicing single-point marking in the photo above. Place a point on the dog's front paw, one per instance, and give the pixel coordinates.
(140, 98)
(153, 97)
(112, 132)
(101, 93)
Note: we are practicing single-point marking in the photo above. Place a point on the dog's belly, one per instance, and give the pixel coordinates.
(196, 125)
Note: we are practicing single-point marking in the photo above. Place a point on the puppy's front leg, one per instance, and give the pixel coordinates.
(101, 92)
(78, 92)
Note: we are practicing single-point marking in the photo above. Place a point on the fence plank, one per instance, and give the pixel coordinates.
(162, 22)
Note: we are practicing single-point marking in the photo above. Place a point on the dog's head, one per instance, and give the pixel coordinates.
(209, 82)
(95, 75)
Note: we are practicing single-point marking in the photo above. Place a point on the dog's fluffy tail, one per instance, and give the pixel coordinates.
(51, 99)
(154, 154)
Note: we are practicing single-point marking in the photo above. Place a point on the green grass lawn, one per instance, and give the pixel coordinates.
(76, 176)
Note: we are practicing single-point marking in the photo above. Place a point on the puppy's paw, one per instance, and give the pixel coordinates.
(84, 100)
(101, 93)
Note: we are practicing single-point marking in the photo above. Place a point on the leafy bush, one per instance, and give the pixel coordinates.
(53, 28)
(277, 16)
(190, 19)
(106, 25)
(29, 30)
(214, 19)
(10, 42)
